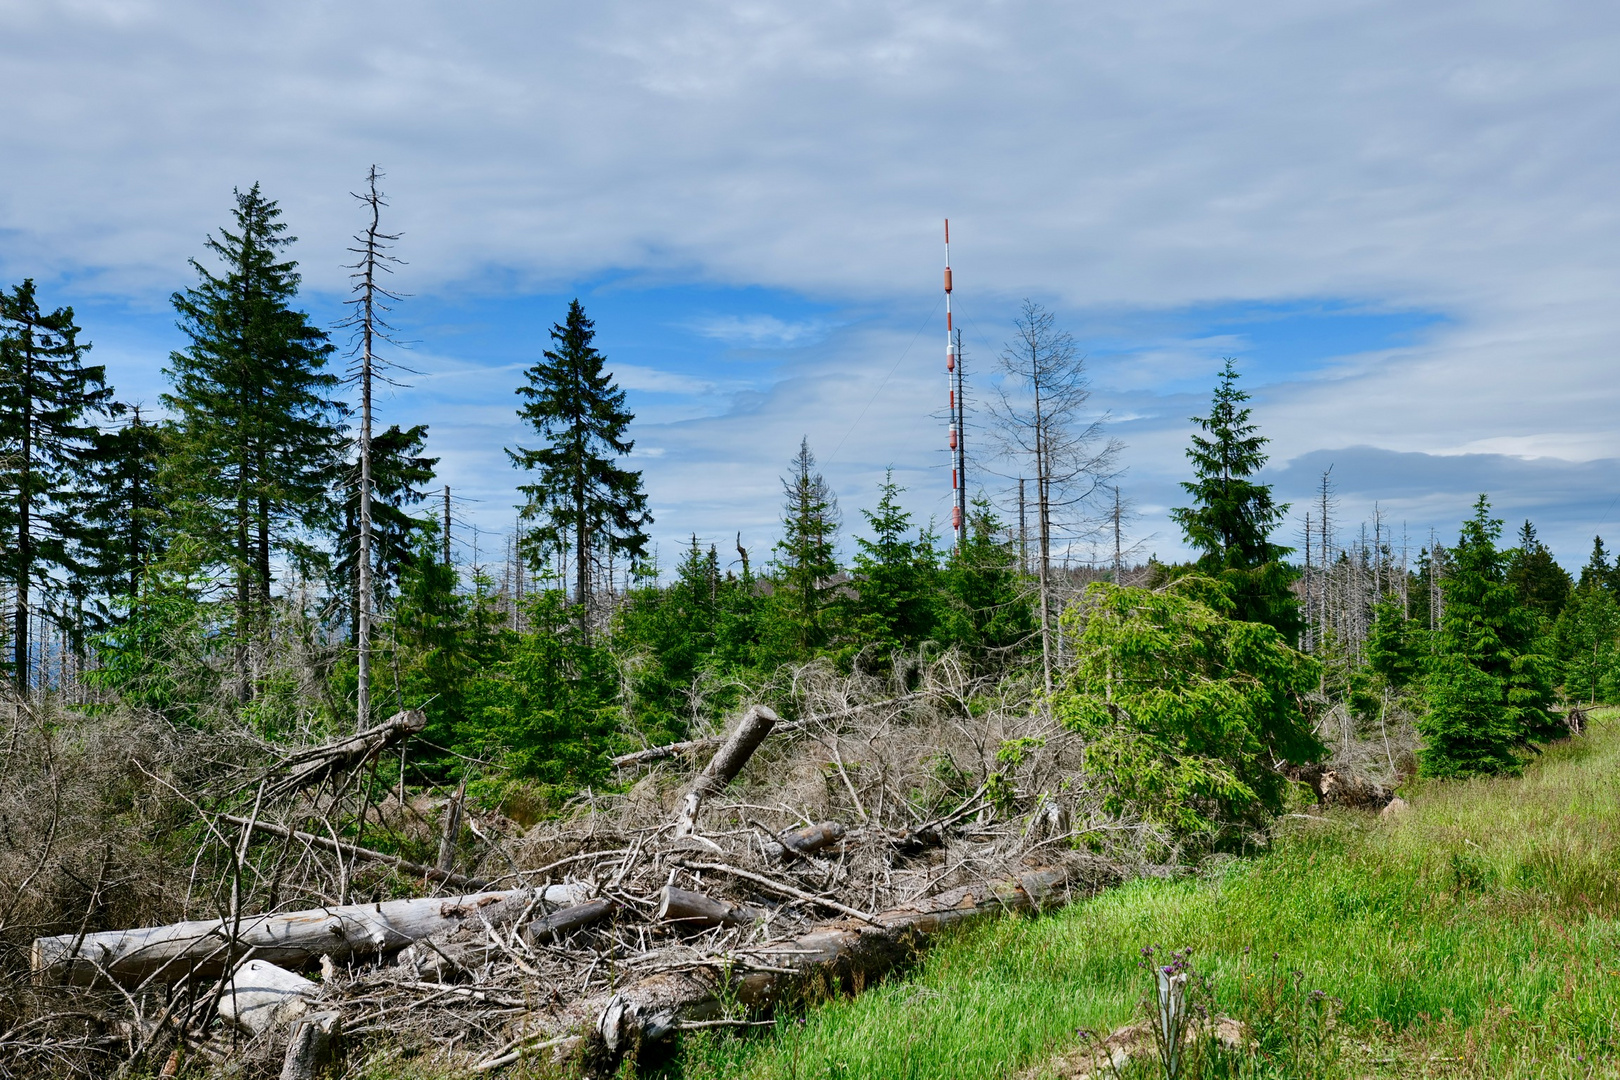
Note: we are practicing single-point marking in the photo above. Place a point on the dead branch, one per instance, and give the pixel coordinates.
(415, 869)
(309, 767)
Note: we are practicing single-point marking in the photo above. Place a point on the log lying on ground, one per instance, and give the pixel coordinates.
(805, 841)
(292, 938)
(464, 949)
(694, 910)
(415, 869)
(848, 952)
(560, 924)
(310, 767)
(727, 762)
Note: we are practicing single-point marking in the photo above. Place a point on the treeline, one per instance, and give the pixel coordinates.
(1481, 646)
(154, 546)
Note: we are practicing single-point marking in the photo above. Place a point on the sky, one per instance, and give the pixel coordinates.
(1400, 220)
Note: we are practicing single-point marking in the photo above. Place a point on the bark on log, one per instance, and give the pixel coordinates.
(727, 762)
(695, 911)
(566, 921)
(848, 952)
(312, 766)
(292, 938)
(415, 869)
(465, 949)
(805, 841)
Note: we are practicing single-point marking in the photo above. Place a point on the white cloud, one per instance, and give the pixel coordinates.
(1450, 156)
(758, 331)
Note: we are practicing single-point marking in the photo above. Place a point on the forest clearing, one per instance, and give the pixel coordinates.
(618, 821)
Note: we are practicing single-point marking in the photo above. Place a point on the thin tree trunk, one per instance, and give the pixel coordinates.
(363, 585)
(261, 583)
(244, 593)
(25, 499)
(582, 577)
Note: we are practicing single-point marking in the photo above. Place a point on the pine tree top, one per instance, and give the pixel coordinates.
(1232, 517)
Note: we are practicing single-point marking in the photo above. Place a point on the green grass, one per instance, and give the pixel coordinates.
(1478, 935)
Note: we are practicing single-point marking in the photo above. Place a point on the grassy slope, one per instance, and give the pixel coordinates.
(1477, 935)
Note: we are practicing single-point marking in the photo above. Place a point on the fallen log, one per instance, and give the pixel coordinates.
(727, 762)
(847, 951)
(694, 910)
(310, 767)
(565, 921)
(781, 888)
(465, 949)
(415, 869)
(293, 938)
(805, 841)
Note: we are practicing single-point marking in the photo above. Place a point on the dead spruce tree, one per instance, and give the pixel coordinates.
(368, 307)
(1040, 411)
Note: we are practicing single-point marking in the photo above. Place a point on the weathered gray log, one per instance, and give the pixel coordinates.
(694, 910)
(415, 869)
(292, 938)
(260, 996)
(563, 922)
(310, 767)
(466, 948)
(314, 1039)
(847, 951)
(805, 841)
(727, 762)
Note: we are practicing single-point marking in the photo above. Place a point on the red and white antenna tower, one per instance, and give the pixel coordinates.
(958, 438)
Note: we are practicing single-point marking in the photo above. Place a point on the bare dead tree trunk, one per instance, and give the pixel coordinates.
(723, 768)
(363, 590)
(370, 303)
(167, 953)
(1040, 418)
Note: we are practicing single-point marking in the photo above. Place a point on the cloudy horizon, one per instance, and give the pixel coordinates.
(1400, 220)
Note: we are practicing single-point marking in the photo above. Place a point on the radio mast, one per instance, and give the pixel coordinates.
(958, 436)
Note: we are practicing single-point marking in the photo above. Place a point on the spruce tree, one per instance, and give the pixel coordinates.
(49, 402)
(806, 556)
(1489, 689)
(1598, 573)
(258, 436)
(125, 507)
(579, 491)
(1233, 517)
(894, 577)
(671, 632)
(1586, 643)
(984, 601)
(399, 479)
(1540, 583)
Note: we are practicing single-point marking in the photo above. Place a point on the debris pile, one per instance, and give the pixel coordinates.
(774, 861)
